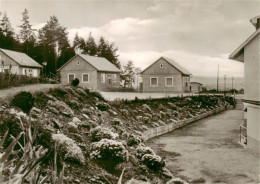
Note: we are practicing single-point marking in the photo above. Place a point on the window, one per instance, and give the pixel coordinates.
(85, 78)
(114, 77)
(161, 65)
(71, 76)
(153, 81)
(103, 78)
(168, 81)
(108, 76)
(78, 62)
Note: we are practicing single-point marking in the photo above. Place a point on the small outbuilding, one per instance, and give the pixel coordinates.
(165, 75)
(195, 87)
(18, 63)
(93, 72)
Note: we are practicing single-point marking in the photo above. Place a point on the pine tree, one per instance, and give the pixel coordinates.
(76, 41)
(27, 35)
(7, 39)
(79, 44)
(128, 74)
(91, 46)
(108, 51)
(6, 27)
(53, 39)
(102, 47)
(26, 32)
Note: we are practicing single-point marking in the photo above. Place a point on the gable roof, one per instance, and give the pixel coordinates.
(173, 63)
(196, 83)
(21, 58)
(100, 63)
(236, 55)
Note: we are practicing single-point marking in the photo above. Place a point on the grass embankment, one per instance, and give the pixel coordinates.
(89, 140)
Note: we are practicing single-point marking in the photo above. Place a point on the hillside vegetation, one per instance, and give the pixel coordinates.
(72, 135)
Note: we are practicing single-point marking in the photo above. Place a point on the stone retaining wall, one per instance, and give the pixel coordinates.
(154, 132)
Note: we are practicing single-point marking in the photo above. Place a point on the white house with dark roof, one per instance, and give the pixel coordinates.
(249, 53)
(165, 75)
(93, 72)
(18, 63)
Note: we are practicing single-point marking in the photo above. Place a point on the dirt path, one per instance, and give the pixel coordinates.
(207, 151)
(6, 94)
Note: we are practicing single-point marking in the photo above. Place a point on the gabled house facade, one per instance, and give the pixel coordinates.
(18, 63)
(165, 75)
(93, 72)
(249, 53)
(195, 87)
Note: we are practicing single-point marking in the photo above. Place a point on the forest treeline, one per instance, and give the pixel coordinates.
(50, 43)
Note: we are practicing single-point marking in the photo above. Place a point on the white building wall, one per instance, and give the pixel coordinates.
(252, 70)
(253, 127)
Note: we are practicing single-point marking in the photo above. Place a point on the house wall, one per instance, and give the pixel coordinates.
(108, 84)
(78, 70)
(35, 72)
(252, 91)
(186, 88)
(7, 61)
(253, 127)
(15, 68)
(166, 71)
(252, 70)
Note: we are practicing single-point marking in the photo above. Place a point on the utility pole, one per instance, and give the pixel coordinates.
(217, 78)
(225, 85)
(232, 84)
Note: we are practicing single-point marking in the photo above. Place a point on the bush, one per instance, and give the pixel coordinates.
(8, 80)
(141, 151)
(99, 133)
(24, 100)
(75, 82)
(133, 140)
(153, 162)
(109, 150)
(71, 149)
(103, 106)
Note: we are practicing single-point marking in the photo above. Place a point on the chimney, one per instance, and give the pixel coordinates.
(256, 22)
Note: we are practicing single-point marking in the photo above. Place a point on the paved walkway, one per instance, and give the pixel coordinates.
(6, 94)
(207, 151)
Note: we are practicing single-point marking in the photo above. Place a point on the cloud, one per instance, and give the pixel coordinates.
(198, 65)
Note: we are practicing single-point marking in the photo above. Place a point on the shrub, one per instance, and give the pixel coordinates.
(102, 106)
(133, 140)
(41, 100)
(153, 162)
(75, 82)
(109, 149)
(99, 133)
(24, 100)
(8, 80)
(71, 149)
(141, 151)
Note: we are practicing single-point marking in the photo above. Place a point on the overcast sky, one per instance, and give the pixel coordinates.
(198, 34)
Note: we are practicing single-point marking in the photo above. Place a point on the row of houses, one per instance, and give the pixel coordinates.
(163, 75)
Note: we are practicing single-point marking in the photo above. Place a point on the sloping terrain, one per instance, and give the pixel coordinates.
(94, 139)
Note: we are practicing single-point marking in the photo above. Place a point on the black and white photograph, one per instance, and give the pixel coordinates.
(129, 91)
